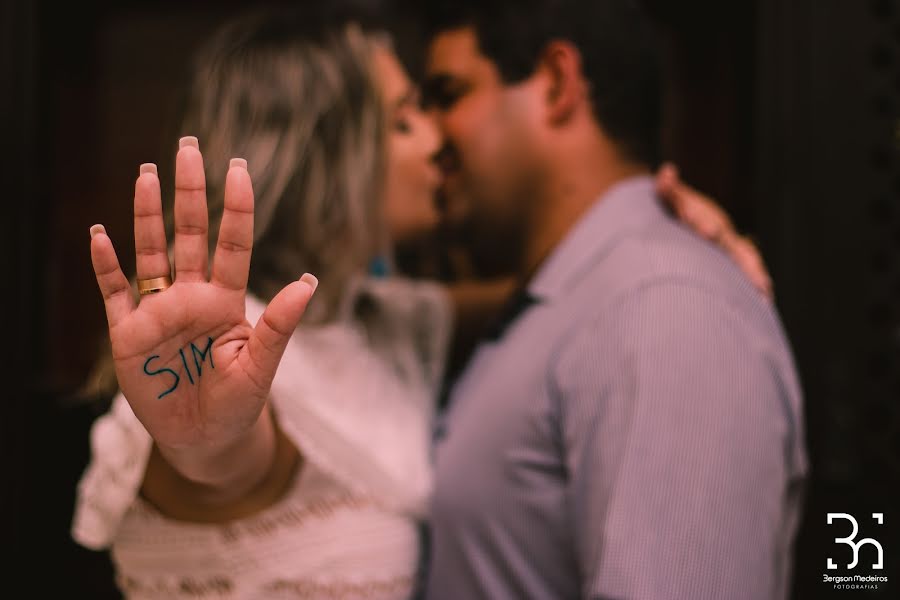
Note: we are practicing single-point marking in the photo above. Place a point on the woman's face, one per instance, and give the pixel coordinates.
(413, 140)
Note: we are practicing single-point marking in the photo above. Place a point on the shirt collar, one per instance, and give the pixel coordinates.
(621, 208)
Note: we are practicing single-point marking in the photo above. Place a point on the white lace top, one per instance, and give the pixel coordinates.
(356, 398)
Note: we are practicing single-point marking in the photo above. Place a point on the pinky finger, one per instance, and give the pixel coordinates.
(114, 286)
(748, 257)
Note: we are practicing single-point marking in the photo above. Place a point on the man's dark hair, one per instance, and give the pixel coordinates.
(616, 39)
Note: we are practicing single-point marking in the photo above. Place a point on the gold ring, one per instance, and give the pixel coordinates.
(153, 286)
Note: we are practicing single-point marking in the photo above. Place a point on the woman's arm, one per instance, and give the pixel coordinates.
(195, 372)
(234, 482)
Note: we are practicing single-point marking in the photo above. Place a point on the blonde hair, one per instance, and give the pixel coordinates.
(298, 100)
(306, 113)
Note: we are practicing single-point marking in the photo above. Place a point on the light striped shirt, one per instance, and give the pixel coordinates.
(636, 432)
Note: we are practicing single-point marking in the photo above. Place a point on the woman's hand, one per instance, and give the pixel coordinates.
(193, 369)
(708, 219)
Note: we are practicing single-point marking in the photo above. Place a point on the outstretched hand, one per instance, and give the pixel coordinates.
(193, 369)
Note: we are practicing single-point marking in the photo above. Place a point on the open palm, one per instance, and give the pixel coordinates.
(193, 369)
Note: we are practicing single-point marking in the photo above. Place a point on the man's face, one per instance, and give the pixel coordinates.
(489, 159)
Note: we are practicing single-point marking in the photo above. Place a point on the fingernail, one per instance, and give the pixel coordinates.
(95, 229)
(237, 162)
(310, 280)
(189, 140)
(149, 168)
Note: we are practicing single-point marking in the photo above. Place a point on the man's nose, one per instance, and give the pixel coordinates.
(434, 135)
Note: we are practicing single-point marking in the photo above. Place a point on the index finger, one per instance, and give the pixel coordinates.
(151, 254)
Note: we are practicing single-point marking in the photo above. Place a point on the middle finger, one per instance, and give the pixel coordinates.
(191, 217)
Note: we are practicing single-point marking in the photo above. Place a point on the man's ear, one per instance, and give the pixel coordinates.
(561, 63)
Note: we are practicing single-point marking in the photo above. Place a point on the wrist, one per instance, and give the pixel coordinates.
(228, 491)
(228, 470)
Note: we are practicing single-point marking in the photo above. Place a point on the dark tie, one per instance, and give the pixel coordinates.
(518, 303)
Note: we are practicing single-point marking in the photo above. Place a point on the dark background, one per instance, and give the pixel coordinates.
(786, 111)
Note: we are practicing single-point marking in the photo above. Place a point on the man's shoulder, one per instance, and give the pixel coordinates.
(658, 257)
(663, 271)
(661, 298)
(662, 250)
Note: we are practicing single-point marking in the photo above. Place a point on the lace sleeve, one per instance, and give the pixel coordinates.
(120, 447)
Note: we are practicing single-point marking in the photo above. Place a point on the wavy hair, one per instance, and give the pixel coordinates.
(301, 104)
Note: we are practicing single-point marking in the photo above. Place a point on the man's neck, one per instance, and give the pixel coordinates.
(565, 203)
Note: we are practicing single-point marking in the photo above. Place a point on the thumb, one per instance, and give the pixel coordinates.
(666, 178)
(274, 329)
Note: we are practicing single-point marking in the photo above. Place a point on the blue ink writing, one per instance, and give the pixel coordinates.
(163, 370)
(186, 368)
(195, 351)
(197, 354)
